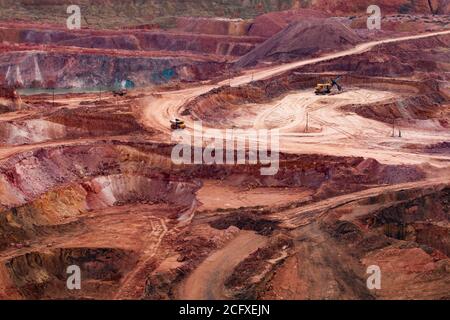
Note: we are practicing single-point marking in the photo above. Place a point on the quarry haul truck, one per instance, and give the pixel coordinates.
(121, 88)
(325, 88)
(120, 92)
(177, 124)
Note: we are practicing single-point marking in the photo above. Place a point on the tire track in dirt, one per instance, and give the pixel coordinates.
(133, 284)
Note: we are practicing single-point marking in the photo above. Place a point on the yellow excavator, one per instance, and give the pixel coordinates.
(177, 124)
(325, 88)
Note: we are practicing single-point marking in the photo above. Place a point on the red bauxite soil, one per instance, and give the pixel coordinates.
(361, 178)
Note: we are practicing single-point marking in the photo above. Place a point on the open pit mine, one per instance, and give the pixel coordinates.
(93, 205)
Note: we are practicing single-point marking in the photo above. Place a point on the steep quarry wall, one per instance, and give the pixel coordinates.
(80, 179)
(104, 119)
(66, 69)
(420, 216)
(44, 216)
(41, 275)
(40, 189)
(209, 42)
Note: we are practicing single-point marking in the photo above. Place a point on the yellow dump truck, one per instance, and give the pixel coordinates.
(177, 124)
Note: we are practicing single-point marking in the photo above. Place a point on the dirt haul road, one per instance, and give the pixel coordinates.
(341, 134)
(207, 281)
(298, 217)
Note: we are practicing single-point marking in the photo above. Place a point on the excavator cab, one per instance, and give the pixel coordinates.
(325, 88)
(177, 124)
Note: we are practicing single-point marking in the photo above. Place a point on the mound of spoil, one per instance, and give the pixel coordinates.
(300, 40)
